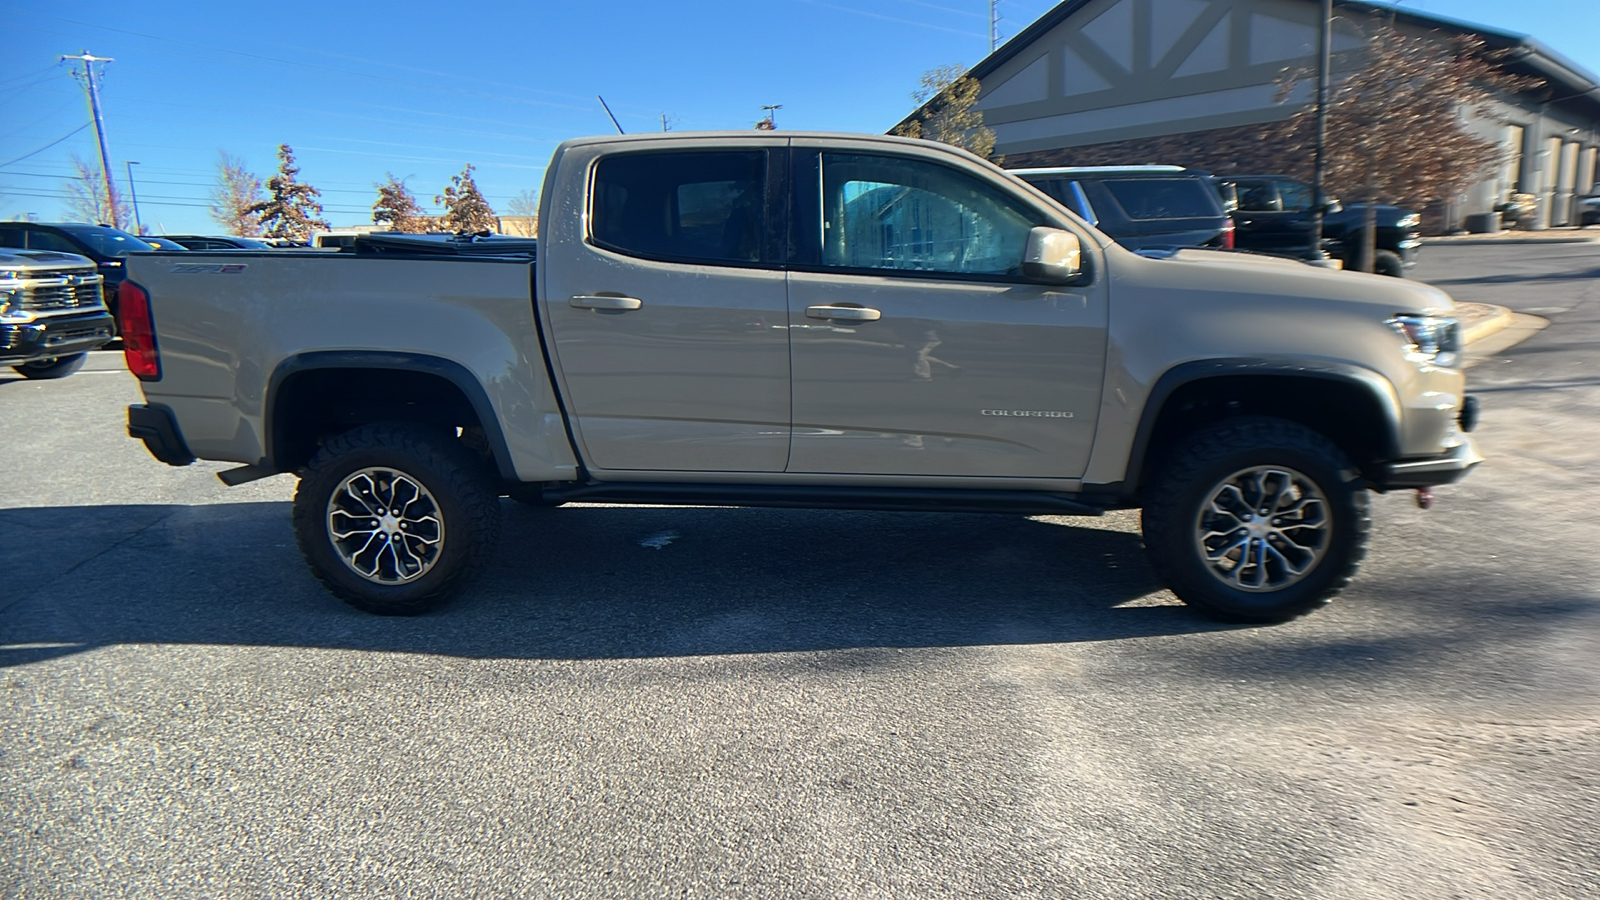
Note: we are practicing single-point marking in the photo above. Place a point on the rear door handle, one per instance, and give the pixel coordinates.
(844, 313)
(586, 301)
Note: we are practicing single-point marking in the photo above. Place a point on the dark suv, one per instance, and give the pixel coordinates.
(1142, 207)
(217, 242)
(1272, 214)
(105, 245)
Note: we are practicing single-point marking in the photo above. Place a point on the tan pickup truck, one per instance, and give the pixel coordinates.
(803, 320)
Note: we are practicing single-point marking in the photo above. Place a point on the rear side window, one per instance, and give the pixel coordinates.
(1164, 198)
(696, 207)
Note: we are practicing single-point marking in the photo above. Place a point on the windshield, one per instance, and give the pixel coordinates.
(107, 241)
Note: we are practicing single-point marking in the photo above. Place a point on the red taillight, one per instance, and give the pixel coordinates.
(1227, 235)
(138, 334)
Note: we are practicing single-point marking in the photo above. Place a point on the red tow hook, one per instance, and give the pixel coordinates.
(1425, 498)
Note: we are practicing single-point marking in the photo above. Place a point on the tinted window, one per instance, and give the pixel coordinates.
(1296, 197)
(12, 237)
(689, 206)
(107, 241)
(909, 215)
(1164, 198)
(45, 240)
(1258, 197)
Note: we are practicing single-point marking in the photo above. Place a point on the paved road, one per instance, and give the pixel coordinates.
(752, 703)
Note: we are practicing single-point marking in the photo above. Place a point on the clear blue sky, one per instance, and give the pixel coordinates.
(420, 89)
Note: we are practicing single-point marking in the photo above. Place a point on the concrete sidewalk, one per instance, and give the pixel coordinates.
(1563, 235)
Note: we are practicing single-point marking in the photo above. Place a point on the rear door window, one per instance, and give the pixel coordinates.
(682, 206)
(1164, 198)
(1295, 196)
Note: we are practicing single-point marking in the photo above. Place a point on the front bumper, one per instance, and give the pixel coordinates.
(1447, 468)
(158, 428)
(53, 337)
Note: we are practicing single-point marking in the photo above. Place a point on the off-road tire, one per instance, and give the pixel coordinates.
(1185, 485)
(1388, 262)
(467, 505)
(59, 367)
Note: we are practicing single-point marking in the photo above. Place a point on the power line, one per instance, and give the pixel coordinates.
(47, 146)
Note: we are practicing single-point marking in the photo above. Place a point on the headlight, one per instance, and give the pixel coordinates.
(1435, 340)
(1411, 221)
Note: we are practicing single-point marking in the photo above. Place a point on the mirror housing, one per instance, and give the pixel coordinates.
(1053, 256)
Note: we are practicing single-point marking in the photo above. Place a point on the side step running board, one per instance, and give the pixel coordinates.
(1032, 503)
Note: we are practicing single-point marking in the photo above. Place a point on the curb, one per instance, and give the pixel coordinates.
(1486, 319)
(1443, 241)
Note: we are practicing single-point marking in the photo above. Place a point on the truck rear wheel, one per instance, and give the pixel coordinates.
(58, 367)
(1256, 520)
(393, 517)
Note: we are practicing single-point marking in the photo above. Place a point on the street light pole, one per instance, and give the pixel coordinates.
(1319, 199)
(138, 227)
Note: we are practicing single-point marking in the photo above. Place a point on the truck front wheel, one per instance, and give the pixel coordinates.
(1256, 520)
(57, 367)
(393, 517)
(1388, 262)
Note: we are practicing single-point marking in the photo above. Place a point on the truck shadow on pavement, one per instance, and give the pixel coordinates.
(590, 583)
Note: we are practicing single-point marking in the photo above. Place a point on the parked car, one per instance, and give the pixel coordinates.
(1273, 214)
(1588, 211)
(217, 242)
(935, 334)
(1141, 207)
(108, 247)
(161, 243)
(51, 312)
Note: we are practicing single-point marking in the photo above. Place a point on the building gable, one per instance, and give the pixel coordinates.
(1109, 70)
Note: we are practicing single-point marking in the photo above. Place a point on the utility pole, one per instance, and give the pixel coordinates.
(772, 115)
(1319, 199)
(994, 23)
(138, 227)
(99, 126)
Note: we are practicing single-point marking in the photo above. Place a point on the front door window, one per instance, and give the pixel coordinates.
(907, 215)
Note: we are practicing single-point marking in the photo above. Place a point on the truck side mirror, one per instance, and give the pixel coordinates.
(1053, 256)
(1332, 206)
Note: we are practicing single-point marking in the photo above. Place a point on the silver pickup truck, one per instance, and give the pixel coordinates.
(803, 320)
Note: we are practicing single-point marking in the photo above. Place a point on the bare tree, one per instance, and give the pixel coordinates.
(236, 192)
(948, 112)
(1397, 127)
(87, 200)
(524, 207)
(464, 206)
(397, 206)
(291, 209)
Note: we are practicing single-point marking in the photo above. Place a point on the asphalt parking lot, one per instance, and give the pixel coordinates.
(645, 702)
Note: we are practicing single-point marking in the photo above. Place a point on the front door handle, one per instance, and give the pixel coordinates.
(844, 313)
(586, 301)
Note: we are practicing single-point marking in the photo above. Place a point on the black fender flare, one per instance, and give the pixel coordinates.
(450, 370)
(1372, 383)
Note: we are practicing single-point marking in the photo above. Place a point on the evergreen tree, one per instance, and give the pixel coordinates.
(291, 210)
(464, 207)
(398, 207)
